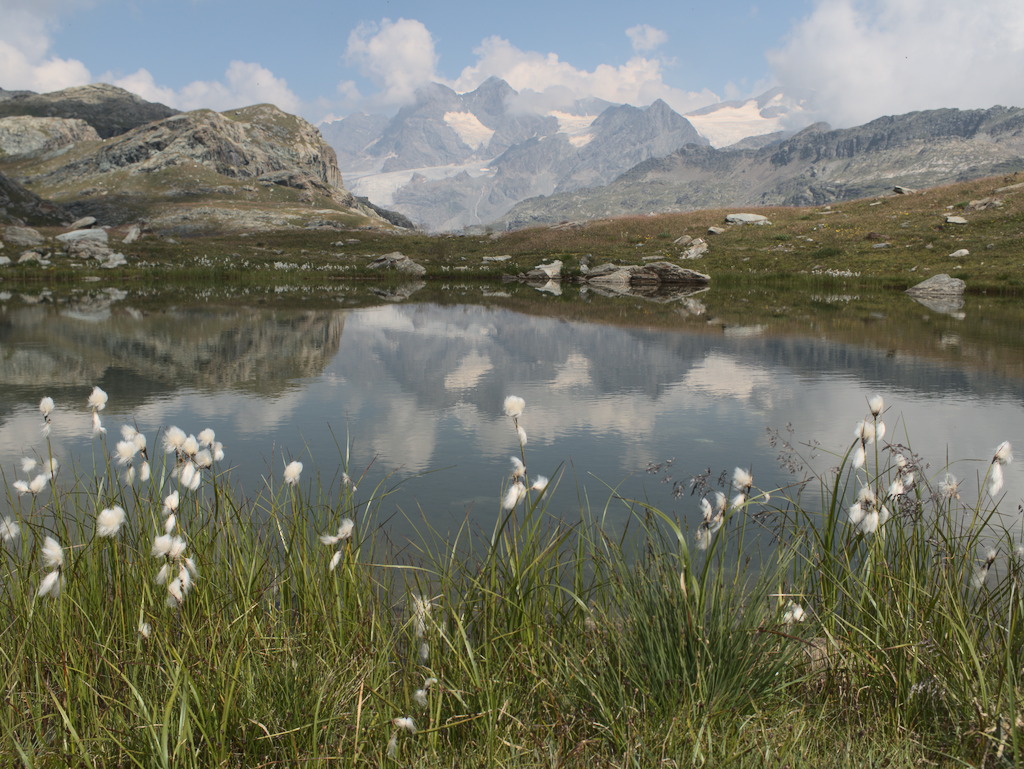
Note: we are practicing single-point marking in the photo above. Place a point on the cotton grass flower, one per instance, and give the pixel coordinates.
(794, 613)
(522, 435)
(514, 495)
(344, 532)
(21, 487)
(420, 695)
(1003, 456)
(405, 723)
(46, 408)
(97, 425)
(125, 452)
(981, 574)
(38, 484)
(514, 406)
(9, 529)
(97, 399)
(145, 629)
(174, 438)
(292, 473)
(109, 521)
(518, 468)
(876, 404)
(949, 487)
(51, 584)
(207, 437)
(28, 464)
(171, 502)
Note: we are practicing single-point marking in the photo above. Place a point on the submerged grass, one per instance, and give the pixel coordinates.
(855, 618)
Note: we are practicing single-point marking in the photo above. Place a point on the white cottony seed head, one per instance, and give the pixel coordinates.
(97, 399)
(514, 406)
(876, 404)
(292, 473)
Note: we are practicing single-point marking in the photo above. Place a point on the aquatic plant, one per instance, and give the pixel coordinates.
(879, 598)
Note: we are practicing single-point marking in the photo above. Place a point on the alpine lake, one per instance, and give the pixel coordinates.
(628, 398)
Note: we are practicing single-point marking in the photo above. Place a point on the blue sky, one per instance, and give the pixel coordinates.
(863, 58)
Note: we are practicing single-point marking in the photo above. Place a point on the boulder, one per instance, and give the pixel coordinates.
(716, 230)
(683, 240)
(22, 236)
(938, 285)
(955, 220)
(502, 258)
(746, 219)
(697, 249)
(133, 234)
(399, 262)
(82, 224)
(546, 272)
(79, 236)
(903, 190)
(655, 273)
(960, 253)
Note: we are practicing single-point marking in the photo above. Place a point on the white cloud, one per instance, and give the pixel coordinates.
(639, 81)
(867, 58)
(25, 59)
(398, 56)
(244, 83)
(644, 37)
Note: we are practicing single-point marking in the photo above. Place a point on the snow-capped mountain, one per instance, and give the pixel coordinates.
(450, 160)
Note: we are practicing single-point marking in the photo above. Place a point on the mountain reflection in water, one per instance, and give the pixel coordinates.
(418, 389)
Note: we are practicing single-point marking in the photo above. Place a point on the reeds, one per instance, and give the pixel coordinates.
(167, 620)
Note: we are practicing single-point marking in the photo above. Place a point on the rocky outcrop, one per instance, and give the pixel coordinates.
(202, 170)
(21, 206)
(109, 110)
(23, 137)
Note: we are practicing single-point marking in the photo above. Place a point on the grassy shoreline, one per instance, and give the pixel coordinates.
(882, 625)
(897, 240)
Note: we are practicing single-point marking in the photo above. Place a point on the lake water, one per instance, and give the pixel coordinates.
(613, 385)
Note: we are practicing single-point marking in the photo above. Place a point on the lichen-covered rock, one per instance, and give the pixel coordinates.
(399, 262)
(26, 136)
(938, 285)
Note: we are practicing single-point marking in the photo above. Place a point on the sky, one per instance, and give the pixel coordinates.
(324, 59)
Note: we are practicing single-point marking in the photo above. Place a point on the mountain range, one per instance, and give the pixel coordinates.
(494, 157)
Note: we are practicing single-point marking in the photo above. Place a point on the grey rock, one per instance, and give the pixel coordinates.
(502, 258)
(903, 190)
(399, 262)
(654, 273)
(77, 236)
(938, 285)
(4, 261)
(22, 236)
(133, 234)
(881, 245)
(697, 249)
(684, 240)
(955, 220)
(960, 253)
(546, 272)
(746, 219)
(84, 223)
(716, 230)
(984, 204)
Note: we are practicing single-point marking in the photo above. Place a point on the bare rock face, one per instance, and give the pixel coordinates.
(24, 136)
(260, 143)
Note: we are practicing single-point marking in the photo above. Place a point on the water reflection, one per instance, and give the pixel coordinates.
(418, 388)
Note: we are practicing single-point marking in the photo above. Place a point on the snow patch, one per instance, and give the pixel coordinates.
(729, 125)
(576, 127)
(380, 188)
(471, 131)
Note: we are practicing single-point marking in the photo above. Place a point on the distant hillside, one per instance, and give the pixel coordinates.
(816, 166)
(108, 109)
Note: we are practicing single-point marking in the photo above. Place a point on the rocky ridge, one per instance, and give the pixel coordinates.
(816, 166)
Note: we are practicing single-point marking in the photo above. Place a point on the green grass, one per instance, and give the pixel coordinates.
(552, 642)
